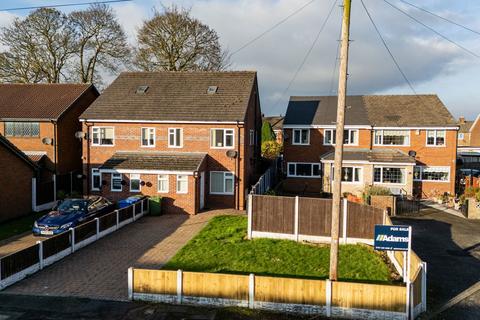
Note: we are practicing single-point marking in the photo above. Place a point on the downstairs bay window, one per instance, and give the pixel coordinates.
(390, 175)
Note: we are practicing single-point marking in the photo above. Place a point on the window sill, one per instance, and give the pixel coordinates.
(305, 177)
(221, 194)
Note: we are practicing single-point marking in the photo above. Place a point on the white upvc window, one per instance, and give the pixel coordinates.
(303, 170)
(135, 182)
(436, 138)
(96, 180)
(437, 174)
(103, 136)
(221, 182)
(162, 183)
(175, 137)
(116, 184)
(350, 174)
(148, 137)
(182, 183)
(350, 137)
(301, 137)
(392, 137)
(221, 138)
(252, 137)
(389, 175)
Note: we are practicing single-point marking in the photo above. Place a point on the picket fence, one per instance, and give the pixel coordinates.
(18, 265)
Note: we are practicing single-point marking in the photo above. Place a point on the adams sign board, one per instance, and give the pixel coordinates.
(392, 238)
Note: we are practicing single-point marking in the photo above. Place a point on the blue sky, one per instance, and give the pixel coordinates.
(432, 64)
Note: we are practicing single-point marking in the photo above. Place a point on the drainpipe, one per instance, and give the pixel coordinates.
(55, 139)
(88, 160)
(237, 170)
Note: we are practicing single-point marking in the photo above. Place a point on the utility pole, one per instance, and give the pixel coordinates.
(337, 171)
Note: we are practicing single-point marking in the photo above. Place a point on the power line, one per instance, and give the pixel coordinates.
(388, 49)
(433, 30)
(272, 27)
(440, 17)
(63, 5)
(305, 58)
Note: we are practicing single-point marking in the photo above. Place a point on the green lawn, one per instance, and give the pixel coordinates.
(17, 226)
(222, 247)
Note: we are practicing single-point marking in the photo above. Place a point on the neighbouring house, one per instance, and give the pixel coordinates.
(41, 120)
(18, 174)
(405, 143)
(277, 126)
(189, 137)
(469, 143)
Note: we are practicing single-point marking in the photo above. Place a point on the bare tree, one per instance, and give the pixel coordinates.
(175, 41)
(102, 44)
(40, 47)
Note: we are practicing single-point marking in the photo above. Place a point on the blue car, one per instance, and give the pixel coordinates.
(69, 213)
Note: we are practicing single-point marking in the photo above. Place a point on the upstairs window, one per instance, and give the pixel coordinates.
(350, 137)
(392, 137)
(175, 138)
(103, 136)
(22, 129)
(221, 138)
(148, 137)
(435, 137)
(301, 136)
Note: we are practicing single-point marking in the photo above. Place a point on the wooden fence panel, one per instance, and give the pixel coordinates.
(368, 296)
(273, 214)
(417, 289)
(155, 281)
(56, 244)
(290, 290)
(212, 285)
(18, 261)
(415, 265)
(315, 217)
(362, 220)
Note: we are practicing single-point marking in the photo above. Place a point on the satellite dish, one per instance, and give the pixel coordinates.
(47, 140)
(79, 135)
(412, 153)
(142, 183)
(231, 153)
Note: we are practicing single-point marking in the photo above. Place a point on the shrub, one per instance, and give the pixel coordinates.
(271, 149)
(477, 196)
(377, 191)
(271, 192)
(471, 192)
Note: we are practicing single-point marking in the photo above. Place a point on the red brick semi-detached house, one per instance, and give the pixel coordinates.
(41, 120)
(17, 173)
(402, 142)
(190, 137)
(469, 144)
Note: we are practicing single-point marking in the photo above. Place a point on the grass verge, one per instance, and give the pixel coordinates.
(222, 247)
(20, 225)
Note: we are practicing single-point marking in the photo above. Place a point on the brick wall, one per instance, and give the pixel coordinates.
(475, 134)
(15, 186)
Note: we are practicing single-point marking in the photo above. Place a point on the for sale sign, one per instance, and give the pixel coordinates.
(392, 238)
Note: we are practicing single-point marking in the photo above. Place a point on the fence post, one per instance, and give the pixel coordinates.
(134, 209)
(72, 232)
(141, 205)
(40, 254)
(130, 283)
(328, 297)
(34, 194)
(148, 204)
(97, 220)
(179, 286)
(345, 217)
(424, 286)
(295, 227)
(251, 291)
(118, 219)
(250, 215)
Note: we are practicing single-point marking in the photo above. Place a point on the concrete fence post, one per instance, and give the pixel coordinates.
(141, 205)
(40, 254)
(118, 219)
(134, 210)
(250, 215)
(344, 222)
(328, 297)
(251, 291)
(409, 296)
(148, 205)
(130, 283)
(97, 221)
(72, 233)
(424, 286)
(295, 227)
(34, 194)
(179, 286)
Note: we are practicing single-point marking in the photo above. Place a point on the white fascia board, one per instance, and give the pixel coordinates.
(134, 171)
(313, 126)
(160, 121)
(374, 163)
(416, 128)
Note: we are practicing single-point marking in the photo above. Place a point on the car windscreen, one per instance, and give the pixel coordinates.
(70, 206)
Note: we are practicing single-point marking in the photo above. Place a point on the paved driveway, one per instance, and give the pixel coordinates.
(100, 269)
(451, 247)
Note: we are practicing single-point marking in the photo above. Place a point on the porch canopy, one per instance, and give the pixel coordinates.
(387, 156)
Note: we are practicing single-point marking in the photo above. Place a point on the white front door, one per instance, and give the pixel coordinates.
(202, 190)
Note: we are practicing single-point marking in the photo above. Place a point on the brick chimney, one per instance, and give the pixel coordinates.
(461, 120)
